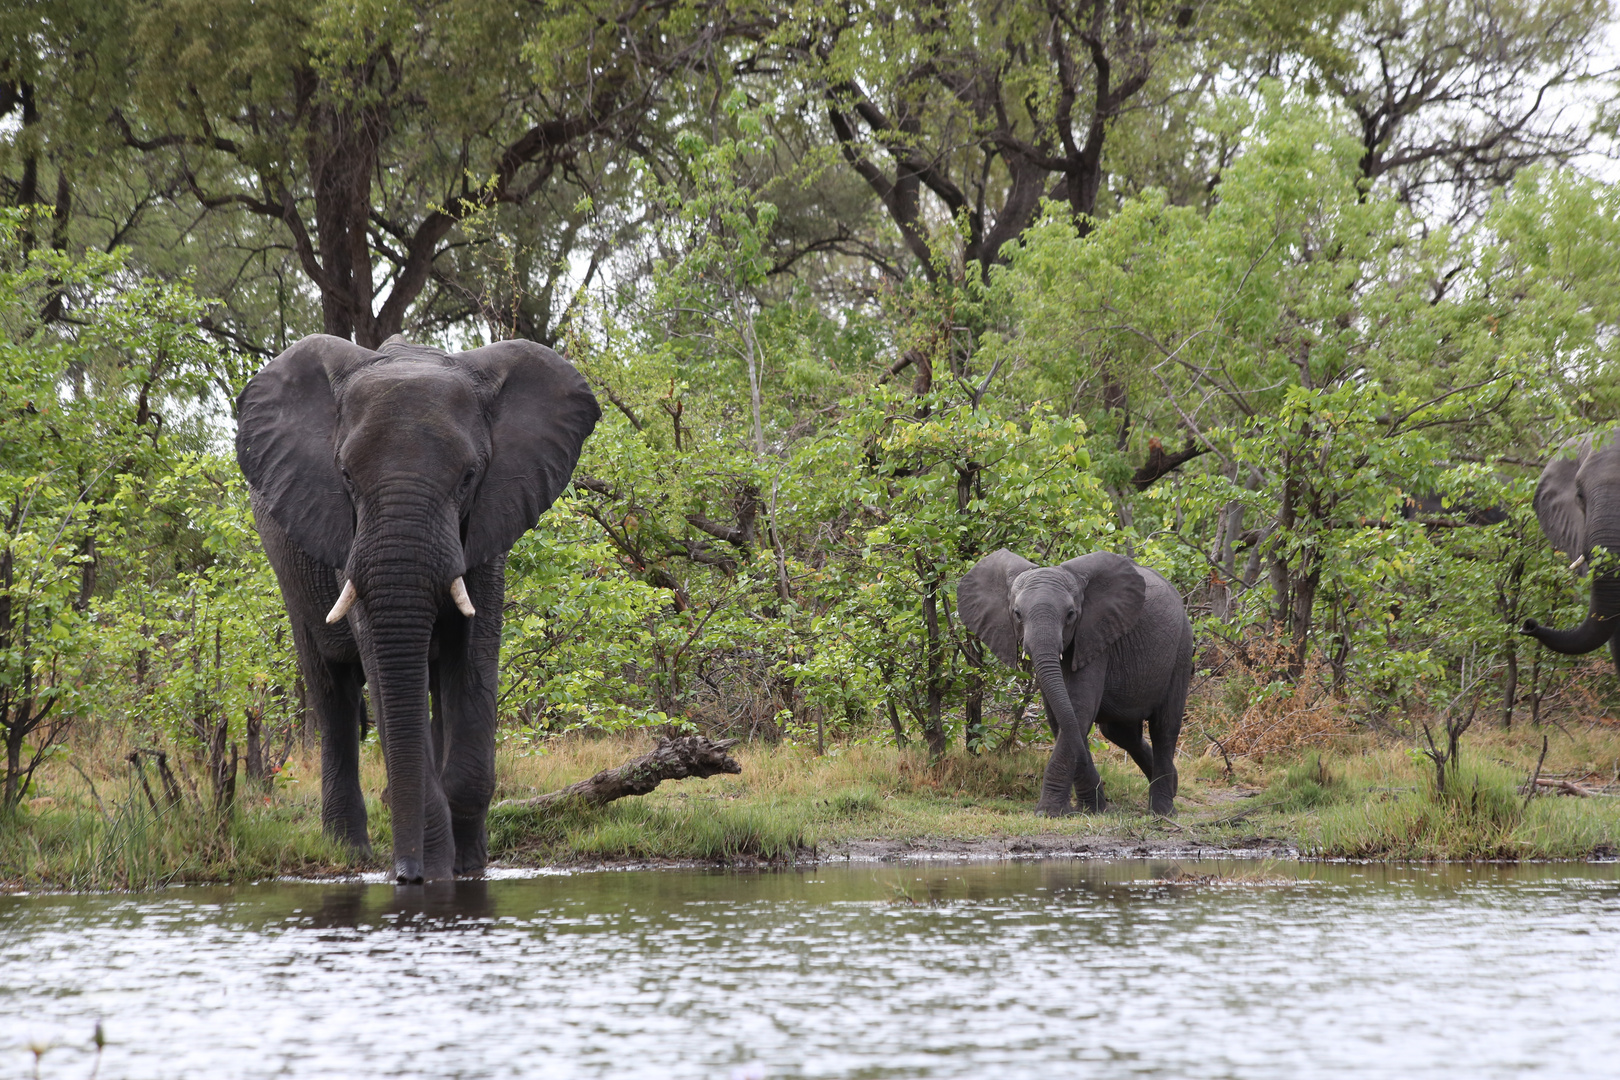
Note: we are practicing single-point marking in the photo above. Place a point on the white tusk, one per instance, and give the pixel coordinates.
(345, 601)
(458, 593)
(1576, 565)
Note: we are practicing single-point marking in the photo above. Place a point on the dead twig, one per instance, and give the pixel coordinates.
(1535, 777)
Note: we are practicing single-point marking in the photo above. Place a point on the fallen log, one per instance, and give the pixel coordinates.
(672, 759)
(1566, 787)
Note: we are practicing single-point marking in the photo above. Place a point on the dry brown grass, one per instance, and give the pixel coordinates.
(1252, 713)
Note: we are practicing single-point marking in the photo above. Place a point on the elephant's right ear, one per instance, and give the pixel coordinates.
(1557, 502)
(983, 601)
(286, 421)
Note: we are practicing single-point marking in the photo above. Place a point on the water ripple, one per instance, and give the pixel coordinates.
(977, 971)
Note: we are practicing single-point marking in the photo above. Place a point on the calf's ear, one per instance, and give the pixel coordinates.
(984, 602)
(1112, 592)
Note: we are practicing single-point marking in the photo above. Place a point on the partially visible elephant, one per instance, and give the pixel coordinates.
(1433, 508)
(388, 486)
(1110, 643)
(1577, 502)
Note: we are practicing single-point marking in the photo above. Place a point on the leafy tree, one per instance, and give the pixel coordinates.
(1296, 333)
(359, 138)
(80, 417)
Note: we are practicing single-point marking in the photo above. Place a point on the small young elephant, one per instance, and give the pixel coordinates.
(1110, 642)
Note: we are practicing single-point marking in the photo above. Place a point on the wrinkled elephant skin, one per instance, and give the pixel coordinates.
(1577, 503)
(1110, 644)
(388, 486)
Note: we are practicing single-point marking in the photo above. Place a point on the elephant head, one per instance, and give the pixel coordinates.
(1068, 614)
(1577, 502)
(401, 469)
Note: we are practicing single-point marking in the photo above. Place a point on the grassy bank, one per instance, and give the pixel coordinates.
(1356, 796)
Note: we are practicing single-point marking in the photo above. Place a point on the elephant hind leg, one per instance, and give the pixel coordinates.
(1614, 650)
(1164, 729)
(1127, 735)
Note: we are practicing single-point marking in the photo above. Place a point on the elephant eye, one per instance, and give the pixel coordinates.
(467, 478)
(1018, 613)
(1068, 616)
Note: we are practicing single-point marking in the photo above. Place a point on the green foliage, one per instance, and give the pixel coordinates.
(1295, 335)
(1259, 362)
(1307, 785)
(81, 431)
(635, 829)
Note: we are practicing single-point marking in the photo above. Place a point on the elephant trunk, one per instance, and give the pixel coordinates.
(403, 579)
(1603, 618)
(400, 689)
(1060, 770)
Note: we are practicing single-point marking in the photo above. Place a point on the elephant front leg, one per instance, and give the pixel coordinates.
(1071, 767)
(465, 677)
(1055, 785)
(1088, 785)
(334, 691)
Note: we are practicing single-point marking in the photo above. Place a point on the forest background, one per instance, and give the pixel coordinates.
(1285, 300)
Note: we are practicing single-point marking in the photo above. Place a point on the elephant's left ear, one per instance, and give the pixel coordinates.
(541, 412)
(1112, 595)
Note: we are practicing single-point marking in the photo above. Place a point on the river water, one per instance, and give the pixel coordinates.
(1057, 968)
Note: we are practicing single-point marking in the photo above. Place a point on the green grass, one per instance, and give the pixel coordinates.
(1308, 785)
(132, 846)
(1364, 798)
(1481, 815)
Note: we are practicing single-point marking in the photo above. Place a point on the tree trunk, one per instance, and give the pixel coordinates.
(15, 734)
(257, 768)
(1510, 688)
(934, 722)
(894, 722)
(973, 713)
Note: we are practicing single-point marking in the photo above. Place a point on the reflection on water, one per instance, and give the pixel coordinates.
(1000, 970)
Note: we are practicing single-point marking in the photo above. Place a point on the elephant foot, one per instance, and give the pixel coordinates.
(1162, 795)
(472, 845)
(1054, 808)
(352, 837)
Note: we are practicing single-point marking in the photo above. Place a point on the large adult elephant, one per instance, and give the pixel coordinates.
(1577, 502)
(388, 486)
(1110, 643)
